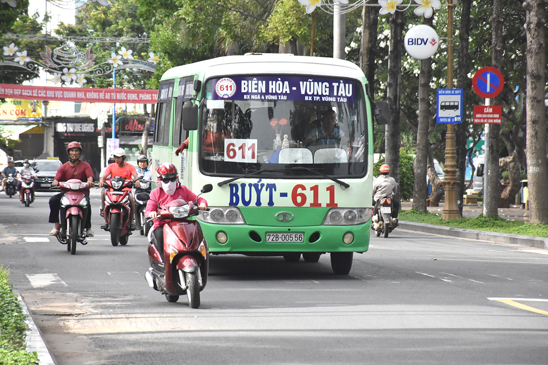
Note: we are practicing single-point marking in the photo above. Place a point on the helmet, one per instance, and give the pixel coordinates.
(10, 160)
(385, 169)
(74, 144)
(111, 159)
(142, 158)
(119, 152)
(26, 163)
(166, 170)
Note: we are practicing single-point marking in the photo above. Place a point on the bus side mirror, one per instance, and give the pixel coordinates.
(190, 116)
(381, 112)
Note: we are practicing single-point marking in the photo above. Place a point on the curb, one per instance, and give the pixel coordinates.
(496, 237)
(34, 337)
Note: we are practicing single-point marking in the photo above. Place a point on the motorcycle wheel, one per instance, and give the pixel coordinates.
(148, 226)
(377, 233)
(341, 262)
(73, 234)
(172, 298)
(138, 222)
(192, 290)
(27, 200)
(115, 228)
(124, 240)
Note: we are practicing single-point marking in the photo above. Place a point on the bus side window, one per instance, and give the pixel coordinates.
(160, 110)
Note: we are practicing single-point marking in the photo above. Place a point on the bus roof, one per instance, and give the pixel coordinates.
(266, 63)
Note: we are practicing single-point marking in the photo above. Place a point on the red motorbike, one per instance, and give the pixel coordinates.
(185, 265)
(383, 223)
(117, 209)
(74, 205)
(27, 190)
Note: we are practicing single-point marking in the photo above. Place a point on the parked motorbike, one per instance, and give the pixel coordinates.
(73, 221)
(117, 210)
(140, 206)
(185, 265)
(383, 223)
(27, 190)
(11, 186)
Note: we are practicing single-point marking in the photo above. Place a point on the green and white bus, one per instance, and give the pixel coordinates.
(286, 142)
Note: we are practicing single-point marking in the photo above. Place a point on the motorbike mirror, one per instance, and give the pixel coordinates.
(207, 188)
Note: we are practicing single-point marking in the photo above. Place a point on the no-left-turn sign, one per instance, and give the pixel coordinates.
(488, 82)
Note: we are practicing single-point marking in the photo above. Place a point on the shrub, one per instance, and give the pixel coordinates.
(12, 327)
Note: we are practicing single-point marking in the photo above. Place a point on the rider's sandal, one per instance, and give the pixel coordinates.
(54, 232)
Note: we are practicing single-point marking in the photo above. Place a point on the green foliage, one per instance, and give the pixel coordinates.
(481, 223)
(12, 327)
(407, 178)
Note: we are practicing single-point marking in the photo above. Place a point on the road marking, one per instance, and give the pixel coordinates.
(501, 277)
(36, 239)
(513, 302)
(41, 280)
(460, 277)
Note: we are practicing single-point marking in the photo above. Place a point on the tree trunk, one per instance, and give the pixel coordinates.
(420, 188)
(537, 176)
(393, 128)
(437, 186)
(370, 21)
(492, 176)
(508, 195)
(464, 83)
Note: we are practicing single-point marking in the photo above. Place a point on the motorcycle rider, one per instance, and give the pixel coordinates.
(26, 170)
(10, 169)
(385, 186)
(119, 168)
(73, 169)
(169, 189)
(143, 169)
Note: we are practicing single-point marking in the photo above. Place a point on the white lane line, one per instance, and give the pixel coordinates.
(501, 277)
(460, 277)
(433, 277)
(36, 239)
(41, 280)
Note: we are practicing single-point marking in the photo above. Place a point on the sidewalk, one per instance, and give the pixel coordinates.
(472, 211)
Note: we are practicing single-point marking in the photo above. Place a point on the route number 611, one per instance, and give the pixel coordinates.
(241, 150)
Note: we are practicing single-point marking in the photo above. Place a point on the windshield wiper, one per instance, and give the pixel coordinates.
(228, 181)
(342, 183)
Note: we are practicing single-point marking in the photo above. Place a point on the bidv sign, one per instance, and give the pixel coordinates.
(421, 42)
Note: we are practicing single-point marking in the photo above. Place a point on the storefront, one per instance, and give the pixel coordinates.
(129, 130)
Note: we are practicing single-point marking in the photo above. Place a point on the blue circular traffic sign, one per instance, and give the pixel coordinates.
(488, 82)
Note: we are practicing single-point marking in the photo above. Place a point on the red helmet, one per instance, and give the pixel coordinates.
(166, 170)
(385, 169)
(74, 144)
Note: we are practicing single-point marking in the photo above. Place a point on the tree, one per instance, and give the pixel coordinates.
(537, 174)
(420, 164)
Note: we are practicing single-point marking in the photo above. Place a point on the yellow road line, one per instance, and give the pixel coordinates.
(521, 306)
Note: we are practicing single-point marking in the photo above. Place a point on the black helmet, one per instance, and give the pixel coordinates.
(142, 158)
(111, 159)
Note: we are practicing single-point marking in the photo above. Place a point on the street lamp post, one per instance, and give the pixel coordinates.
(450, 209)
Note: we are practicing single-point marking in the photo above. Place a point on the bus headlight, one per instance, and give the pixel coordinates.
(222, 215)
(347, 216)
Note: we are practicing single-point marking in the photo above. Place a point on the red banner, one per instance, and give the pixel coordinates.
(487, 114)
(90, 95)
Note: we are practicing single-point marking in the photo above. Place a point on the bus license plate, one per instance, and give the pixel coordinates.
(285, 237)
(386, 210)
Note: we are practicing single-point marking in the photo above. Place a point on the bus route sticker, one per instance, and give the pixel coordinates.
(225, 88)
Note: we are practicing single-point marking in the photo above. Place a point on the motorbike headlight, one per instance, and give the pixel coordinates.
(179, 212)
(222, 215)
(347, 216)
(74, 186)
(65, 201)
(116, 184)
(145, 185)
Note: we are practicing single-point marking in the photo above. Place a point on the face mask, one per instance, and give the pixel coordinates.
(170, 187)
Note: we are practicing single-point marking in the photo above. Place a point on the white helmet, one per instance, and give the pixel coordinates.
(119, 152)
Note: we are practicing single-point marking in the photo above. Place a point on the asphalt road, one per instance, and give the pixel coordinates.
(413, 298)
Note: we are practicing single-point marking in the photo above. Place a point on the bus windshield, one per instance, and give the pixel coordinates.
(269, 124)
